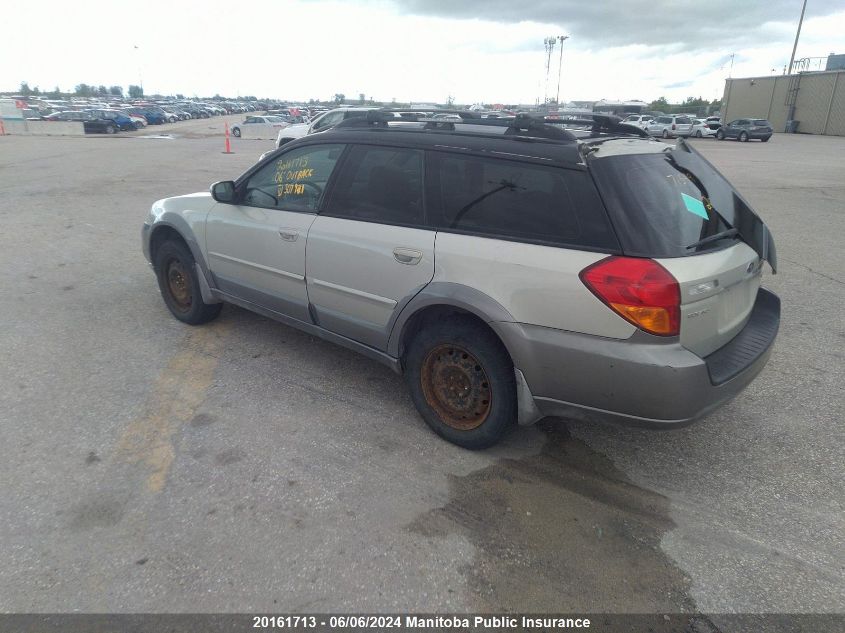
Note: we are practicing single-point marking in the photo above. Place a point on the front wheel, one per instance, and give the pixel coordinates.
(236, 131)
(110, 129)
(179, 286)
(462, 382)
(743, 137)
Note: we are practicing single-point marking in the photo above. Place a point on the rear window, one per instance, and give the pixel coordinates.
(658, 207)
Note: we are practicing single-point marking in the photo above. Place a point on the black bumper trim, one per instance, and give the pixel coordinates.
(752, 342)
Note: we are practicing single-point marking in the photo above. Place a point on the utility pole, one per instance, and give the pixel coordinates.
(559, 66)
(797, 33)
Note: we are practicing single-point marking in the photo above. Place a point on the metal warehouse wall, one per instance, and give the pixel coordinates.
(820, 104)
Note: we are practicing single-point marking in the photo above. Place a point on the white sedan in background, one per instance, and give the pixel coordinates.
(275, 121)
(701, 129)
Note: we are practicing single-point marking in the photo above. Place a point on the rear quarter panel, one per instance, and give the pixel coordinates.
(536, 284)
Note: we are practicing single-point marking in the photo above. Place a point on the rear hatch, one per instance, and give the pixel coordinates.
(671, 205)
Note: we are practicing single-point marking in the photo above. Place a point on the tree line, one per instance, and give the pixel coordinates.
(80, 90)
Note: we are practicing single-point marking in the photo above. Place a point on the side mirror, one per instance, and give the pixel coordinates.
(223, 191)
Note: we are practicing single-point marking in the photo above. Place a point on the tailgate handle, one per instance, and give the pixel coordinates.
(407, 256)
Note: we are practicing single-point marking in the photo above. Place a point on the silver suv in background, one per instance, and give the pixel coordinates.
(670, 126)
(510, 269)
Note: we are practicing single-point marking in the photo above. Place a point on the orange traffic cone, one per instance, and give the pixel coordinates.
(228, 147)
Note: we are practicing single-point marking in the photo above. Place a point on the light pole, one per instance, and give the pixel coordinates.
(549, 44)
(797, 33)
(559, 66)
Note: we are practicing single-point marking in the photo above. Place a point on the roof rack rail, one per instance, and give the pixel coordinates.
(524, 126)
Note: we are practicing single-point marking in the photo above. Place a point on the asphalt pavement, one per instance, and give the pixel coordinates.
(245, 466)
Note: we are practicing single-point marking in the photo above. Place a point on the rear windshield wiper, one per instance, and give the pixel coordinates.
(715, 238)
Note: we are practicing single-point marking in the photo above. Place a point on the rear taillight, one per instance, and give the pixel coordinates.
(639, 290)
(673, 126)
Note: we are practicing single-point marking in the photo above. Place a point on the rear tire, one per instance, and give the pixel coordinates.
(179, 286)
(236, 131)
(110, 129)
(462, 382)
(698, 134)
(765, 139)
(720, 135)
(665, 134)
(743, 137)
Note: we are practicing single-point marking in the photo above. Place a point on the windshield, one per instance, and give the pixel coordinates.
(662, 203)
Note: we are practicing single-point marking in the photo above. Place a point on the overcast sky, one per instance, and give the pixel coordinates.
(421, 50)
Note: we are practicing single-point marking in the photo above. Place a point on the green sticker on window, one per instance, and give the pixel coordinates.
(695, 206)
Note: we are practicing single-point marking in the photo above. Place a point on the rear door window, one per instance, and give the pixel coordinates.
(516, 200)
(380, 184)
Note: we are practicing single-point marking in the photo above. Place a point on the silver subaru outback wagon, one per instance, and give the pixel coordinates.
(510, 269)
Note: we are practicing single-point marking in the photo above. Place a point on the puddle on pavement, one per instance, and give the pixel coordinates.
(562, 531)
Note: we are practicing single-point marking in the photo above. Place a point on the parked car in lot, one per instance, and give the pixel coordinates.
(713, 122)
(139, 120)
(320, 123)
(595, 273)
(275, 121)
(121, 120)
(91, 123)
(670, 126)
(640, 120)
(153, 117)
(745, 130)
(700, 129)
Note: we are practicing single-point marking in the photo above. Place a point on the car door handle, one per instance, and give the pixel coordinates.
(407, 256)
(289, 235)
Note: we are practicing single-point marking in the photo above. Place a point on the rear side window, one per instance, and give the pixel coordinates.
(761, 122)
(515, 200)
(379, 184)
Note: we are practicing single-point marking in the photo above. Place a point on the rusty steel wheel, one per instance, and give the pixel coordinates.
(456, 386)
(180, 288)
(179, 285)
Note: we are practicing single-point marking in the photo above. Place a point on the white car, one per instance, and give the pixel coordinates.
(640, 120)
(320, 123)
(670, 126)
(700, 129)
(275, 121)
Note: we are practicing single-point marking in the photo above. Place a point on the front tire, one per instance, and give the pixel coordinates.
(110, 129)
(743, 137)
(462, 382)
(236, 131)
(665, 134)
(179, 286)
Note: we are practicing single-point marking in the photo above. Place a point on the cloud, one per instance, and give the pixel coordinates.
(691, 24)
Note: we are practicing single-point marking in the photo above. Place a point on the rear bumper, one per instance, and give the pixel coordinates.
(644, 380)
